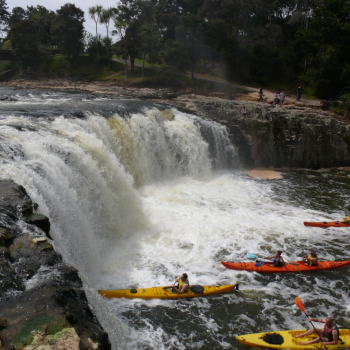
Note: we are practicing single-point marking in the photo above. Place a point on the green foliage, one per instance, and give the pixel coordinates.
(4, 14)
(5, 65)
(59, 66)
(25, 44)
(68, 30)
(345, 103)
(325, 47)
(7, 45)
(52, 326)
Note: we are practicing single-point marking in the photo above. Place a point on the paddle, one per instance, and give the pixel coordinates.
(253, 256)
(300, 305)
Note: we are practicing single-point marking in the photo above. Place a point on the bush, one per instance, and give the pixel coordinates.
(59, 66)
(345, 103)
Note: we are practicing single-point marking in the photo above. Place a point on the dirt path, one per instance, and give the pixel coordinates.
(253, 94)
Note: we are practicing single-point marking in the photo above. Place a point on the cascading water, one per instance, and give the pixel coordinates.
(138, 194)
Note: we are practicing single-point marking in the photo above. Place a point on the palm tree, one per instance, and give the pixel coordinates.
(95, 14)
(105, 18)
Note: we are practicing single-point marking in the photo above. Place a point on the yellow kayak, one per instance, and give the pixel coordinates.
(289, 342)
(166, 293)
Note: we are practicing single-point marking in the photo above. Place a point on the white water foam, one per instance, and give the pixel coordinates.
(134, 202)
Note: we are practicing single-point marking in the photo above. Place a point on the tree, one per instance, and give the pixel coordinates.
(7, 45)
(18, 13)
(325, 43)
(41, 20)
(121, 25)
(25, 43)
(188, 35)
(95, 14)
(68, 30)
(106, 16)
(4, 14)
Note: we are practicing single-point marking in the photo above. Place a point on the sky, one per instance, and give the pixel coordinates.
(54, 5)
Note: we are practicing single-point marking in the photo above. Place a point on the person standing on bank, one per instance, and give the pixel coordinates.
(261, 95)
(244, 112)
(329, 335)
(283, 96)
(300, 91)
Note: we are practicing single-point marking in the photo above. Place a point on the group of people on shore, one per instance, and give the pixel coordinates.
(279, 98)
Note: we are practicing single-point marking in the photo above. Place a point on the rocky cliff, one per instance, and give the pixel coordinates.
(42, 303)
(290, 136)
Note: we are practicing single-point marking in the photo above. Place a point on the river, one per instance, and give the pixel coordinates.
(138, 193)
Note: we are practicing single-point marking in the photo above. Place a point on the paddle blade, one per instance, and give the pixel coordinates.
(251, 256)
(300, 304)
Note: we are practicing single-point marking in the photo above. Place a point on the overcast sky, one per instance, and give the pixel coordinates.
(56, 4)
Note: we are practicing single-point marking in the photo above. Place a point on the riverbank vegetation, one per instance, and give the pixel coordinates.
(262, 43)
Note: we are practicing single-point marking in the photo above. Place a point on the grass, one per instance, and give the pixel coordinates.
(160, 77)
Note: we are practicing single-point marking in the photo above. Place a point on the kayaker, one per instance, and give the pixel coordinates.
(329, 335)
(180, 285)
(346, 220)
(277, 259)
(311, 260)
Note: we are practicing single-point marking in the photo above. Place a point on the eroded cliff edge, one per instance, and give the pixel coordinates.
(273, 136)
(42, 303)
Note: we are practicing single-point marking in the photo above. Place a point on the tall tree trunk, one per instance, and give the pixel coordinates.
(132, 63)
(109, 60)
(143, 63)
(96, 42)
(126, 66)
(192, 67)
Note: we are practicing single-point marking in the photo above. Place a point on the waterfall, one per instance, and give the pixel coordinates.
(84, 172)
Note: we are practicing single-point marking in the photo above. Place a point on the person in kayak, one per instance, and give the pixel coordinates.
(311, 260)
(346, 220)
(329, 335)
(277, 259)
(180, 285)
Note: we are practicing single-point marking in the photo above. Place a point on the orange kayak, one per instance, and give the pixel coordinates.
(326, 224)
(295, 266)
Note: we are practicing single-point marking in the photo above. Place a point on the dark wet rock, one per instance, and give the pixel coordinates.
(4, 252)
(38, 292)
(3, 323)
(9, 280)
(27, 257)
(40, 221)
(290, 136)
(14, 201)
(6, 237)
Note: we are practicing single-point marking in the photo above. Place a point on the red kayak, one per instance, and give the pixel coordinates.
(295, 266)
(326, 224)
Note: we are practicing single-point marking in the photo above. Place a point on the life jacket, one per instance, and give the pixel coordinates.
(276, 261)
(182, 283)
(310, 263)
(327, 332)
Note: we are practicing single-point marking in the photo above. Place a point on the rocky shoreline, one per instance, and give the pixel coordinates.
(277, 137)
(42, 302)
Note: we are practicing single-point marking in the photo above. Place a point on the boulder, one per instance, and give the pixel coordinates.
(40, 221)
